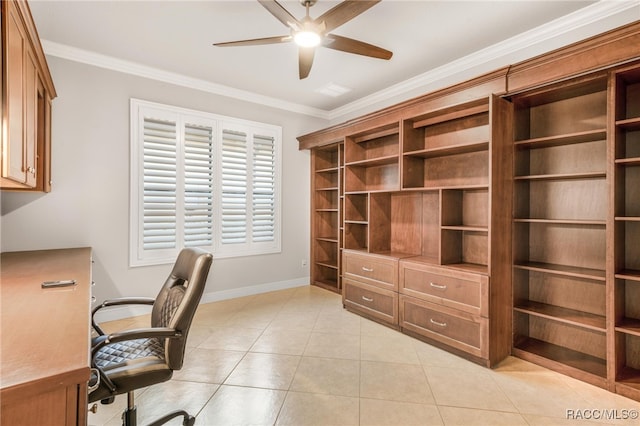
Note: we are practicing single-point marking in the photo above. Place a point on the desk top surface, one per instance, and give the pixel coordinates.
(44, 331)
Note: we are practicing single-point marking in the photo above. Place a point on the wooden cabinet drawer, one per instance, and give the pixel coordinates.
(378, 270)
(373, 301)
(456, 289)
(455, 328)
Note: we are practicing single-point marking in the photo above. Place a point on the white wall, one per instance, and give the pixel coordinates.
(89, 202)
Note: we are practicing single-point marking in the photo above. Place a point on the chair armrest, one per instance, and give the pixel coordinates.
(118, 302)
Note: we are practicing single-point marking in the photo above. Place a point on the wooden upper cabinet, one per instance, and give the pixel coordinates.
(26, 109)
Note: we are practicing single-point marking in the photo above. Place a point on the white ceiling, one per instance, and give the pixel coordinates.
(172, 41)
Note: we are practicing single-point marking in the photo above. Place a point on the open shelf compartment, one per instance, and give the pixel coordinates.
(569, 299)
(447, 147)
(627, 306)
(562, 111)
(580, 350)
(628, 363)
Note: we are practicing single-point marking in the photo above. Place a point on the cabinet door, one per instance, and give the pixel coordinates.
(30, 117)
(13, 166)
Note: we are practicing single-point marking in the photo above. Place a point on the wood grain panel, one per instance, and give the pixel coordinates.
(379, 271)
(444, 286)
(372, 301)
(455, 328)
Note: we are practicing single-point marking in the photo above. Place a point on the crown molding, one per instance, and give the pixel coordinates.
(461, 68)
(111, 63)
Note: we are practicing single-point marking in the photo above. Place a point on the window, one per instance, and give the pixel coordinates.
(202, 180)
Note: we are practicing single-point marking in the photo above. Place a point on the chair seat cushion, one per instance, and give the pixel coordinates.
(131, 365)
(114, 355)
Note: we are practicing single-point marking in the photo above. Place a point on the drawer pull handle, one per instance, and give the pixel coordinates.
(439, 324)
(364, 268)
(367, 299)
(59, 283)
(438, 286)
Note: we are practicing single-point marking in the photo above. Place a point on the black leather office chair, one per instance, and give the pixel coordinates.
(134, 359)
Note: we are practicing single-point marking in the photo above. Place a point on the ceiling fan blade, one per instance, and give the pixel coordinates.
(344, 12)
(350, 45)
(305, 60)
(281, 14)
(255, 41)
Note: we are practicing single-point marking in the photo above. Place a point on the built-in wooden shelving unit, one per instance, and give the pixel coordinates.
(497, 216)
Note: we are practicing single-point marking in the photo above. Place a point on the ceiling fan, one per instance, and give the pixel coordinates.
(308, 33)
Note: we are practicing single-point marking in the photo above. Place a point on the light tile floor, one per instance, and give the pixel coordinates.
(296, 357)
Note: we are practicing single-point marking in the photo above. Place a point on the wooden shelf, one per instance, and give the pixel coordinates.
(449, 150)
(598, 223)
(634, 161)
(328, 170)
(379, 161)
(446, 187)
(628, 218)
(564, 315)
(469, 267)
(564, 176)
(629, 326)
(628, 274)
(328, 284)
(479, 106)
(465, 228)
(569, 271)
(630, 377)
(629, 123)
(327, 210)
(564, 356)
(389, 130)
(327, 264)
(567, 139)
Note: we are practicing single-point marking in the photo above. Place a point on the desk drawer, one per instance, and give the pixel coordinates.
(377, 270)
(455, 328)
(370, 300)
(460, 290)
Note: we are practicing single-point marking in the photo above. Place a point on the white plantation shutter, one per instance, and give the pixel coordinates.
(233, 229)
(264, 189)
(159, 184)
(198, 186)
(194, 185)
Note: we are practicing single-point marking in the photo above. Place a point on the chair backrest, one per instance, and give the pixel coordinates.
(178, 299)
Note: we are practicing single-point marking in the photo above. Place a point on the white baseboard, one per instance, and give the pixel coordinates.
(120, 312)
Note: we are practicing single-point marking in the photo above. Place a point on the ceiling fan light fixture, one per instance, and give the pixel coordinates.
(307, 38)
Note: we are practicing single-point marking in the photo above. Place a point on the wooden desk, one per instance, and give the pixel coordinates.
(44, 345)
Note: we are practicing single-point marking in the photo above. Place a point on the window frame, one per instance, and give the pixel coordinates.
(139, 109)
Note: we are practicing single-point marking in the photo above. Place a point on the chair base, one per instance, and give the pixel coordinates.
(130, 417)
(188, 420)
